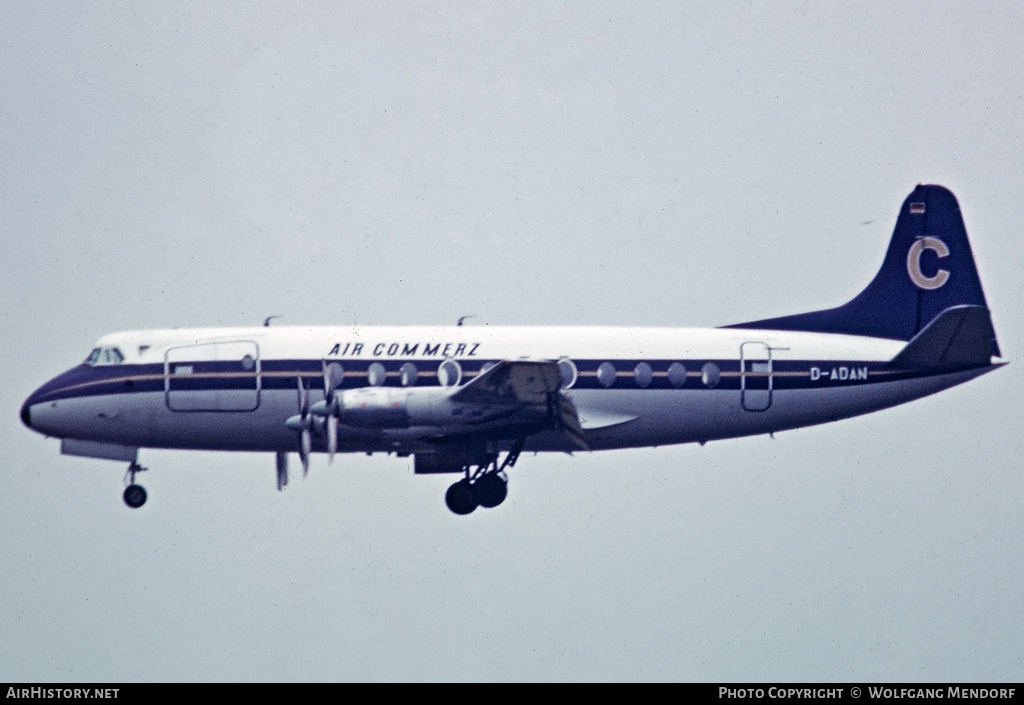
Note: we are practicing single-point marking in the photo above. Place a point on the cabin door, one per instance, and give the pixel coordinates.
(213, 377)
(755, 376)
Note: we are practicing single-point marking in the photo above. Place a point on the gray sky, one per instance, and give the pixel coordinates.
(629, 164)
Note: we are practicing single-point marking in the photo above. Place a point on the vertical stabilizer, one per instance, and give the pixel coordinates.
(928, 268)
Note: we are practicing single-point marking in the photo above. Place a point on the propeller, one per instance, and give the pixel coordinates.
(330, 408)
(301, 424)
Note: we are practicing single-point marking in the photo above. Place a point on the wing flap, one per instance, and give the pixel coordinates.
(569, 422)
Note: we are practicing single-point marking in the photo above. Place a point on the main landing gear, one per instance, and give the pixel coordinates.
(486, 487)
(134, 495)
(487, 490)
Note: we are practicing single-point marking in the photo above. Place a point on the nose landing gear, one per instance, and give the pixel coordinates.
(134, 495)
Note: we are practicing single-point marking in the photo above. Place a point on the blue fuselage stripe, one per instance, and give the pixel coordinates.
(85, 381)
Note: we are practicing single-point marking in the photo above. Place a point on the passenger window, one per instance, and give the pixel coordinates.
(643, 374)
(449, 373)
(569, 372)
(376, 374)
(606, 374)
(677, 374)
(710, 374)
(408, 373)
(336, 373)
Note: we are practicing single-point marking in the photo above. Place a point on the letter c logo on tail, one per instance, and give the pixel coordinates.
(914, 263)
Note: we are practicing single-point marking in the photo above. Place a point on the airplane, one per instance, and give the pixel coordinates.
(469, 400)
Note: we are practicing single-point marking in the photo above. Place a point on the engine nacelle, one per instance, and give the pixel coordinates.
(375, 408)
(382, 407)
(387, 407)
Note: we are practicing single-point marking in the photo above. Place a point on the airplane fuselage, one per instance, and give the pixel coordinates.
(233, 388)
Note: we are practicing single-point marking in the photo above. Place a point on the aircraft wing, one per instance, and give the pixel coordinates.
(517, 381)
(532, 388)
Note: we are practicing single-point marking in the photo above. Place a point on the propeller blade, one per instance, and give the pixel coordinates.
(334, 373)
(282, 471)
(332, 437)
(303, 398)
(328, 383)
(306, 445)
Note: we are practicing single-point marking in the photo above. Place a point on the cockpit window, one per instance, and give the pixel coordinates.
(105, 356)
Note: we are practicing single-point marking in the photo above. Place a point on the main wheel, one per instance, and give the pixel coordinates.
(461, 497)
(134, 496)
(491, 490)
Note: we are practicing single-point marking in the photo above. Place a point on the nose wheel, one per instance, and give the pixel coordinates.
(134, 495)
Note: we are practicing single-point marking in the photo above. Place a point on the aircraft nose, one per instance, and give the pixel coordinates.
(26, 414)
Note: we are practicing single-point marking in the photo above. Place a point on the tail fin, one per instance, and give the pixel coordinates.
(929, 268)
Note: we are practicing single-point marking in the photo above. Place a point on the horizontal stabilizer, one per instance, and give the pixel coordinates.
(959, 338)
